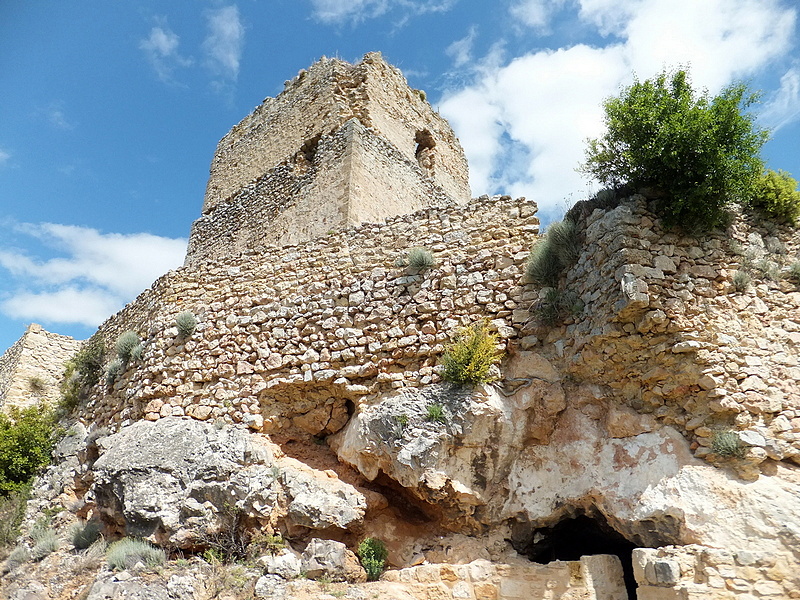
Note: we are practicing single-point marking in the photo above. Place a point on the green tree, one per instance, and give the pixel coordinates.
(777, 196)
(26, 440)
(700, 154)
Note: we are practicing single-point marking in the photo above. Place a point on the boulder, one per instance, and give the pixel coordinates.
(179, 480)
(327, 558)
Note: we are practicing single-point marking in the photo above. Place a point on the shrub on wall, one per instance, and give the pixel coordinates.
(420, 259)
(727, 443)
(81, 372)
(114, 370)
(186, 323)
(26, 440)
(126, 344)
(700, 154)
(84, 534)
(469, 358)
(777, 196)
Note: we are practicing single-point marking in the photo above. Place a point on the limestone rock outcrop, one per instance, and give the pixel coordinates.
(179, 481)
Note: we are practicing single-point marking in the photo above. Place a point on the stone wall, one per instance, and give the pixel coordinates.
(664, 327)
(318, 102)
(697, 573)
(294, 202)
(32, 369)
(592, 578)
(288, 336)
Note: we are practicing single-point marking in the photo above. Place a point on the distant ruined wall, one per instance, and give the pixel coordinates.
(38, 355)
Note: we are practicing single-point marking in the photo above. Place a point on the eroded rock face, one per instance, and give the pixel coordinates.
(455, 461)
(176, 480)
(564, 454)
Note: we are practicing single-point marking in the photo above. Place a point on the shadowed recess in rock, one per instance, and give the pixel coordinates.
(572, 538)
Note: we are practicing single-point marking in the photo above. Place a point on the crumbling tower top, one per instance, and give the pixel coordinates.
(342, 144)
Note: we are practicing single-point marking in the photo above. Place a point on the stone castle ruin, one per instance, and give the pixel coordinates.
(342, 145)
(589, 469)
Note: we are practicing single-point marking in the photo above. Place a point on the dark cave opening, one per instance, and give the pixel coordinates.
(572, 538)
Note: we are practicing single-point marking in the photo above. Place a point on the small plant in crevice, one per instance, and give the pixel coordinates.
(373, 554)
(81, 372)
(84, 534)
(114, 370)
(727, 443)
(554, 253)
(767, 269)
(435, 413)
(125, 553)
(471, 355)
(402, 421)
(736, 247)
(125, 344)
(267, 542)
(186, 323)
(554, 306)
(37, 385)
(137, 352)
(420, 259)
(793, 272)
(741, 281)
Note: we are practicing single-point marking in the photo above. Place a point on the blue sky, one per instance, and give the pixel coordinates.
(111, 111)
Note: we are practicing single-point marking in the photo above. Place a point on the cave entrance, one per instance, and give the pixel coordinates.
(572, 538)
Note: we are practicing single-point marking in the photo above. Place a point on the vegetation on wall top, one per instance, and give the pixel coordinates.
(700, 154)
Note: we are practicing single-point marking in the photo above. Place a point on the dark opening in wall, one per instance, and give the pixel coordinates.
(309, 148)
(572, 538)
(424, 152)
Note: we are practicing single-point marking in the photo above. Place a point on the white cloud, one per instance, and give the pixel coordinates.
(57, 117)
(4, 157)
(106, 270)
(535, 13)
(88, 307)
(161, 48)
(336, 12)
(523, 122)
(461, 50)
(783, 107)
(224, 43)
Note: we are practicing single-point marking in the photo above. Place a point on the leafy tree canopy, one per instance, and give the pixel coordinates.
(26, 440)
(700, 154)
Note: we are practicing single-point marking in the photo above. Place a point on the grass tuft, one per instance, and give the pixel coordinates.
(186, 323)
(741, 281)
(727, 443)
(84, 534)
(125, 553)
(420, 259)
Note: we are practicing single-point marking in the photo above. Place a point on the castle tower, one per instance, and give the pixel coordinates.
(341, 145)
